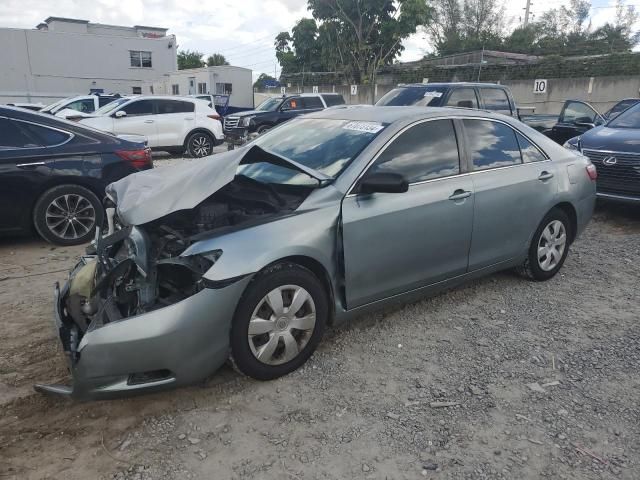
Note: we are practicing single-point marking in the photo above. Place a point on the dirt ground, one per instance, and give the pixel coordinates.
(544, 377)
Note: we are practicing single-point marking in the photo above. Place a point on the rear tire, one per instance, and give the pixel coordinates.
(200, 144)
(67, 215)
(268, 338)
(549, 247)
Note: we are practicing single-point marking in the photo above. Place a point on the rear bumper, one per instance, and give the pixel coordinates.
(176, 345)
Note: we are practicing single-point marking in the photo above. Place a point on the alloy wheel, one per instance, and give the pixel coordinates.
(70, 216)
(282, 324)
(551, 245)
(201, 146)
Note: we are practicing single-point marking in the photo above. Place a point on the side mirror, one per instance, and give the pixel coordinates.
(587, 125)
(120, 114)
(383, 182)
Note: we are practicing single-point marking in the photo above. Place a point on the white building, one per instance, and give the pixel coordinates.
(219, 80)
(63, 57)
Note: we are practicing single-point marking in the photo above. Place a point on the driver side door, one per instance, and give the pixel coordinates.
(291, 107)
(397, 242)
(576, 118)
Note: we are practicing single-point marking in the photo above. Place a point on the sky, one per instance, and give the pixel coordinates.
(242, 30)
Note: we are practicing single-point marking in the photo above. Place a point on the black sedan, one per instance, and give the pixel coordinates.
(53, 174)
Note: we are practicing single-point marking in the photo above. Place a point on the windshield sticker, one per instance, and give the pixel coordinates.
(367, 127)
(433, 94)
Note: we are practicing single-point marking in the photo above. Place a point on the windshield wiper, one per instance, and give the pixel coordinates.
(258, 154)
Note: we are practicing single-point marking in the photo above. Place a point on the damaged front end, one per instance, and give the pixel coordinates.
(138, 312)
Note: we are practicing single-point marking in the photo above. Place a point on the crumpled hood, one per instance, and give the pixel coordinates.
(152, 194)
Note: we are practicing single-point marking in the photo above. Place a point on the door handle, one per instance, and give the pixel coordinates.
(148, 121)
(31, 165)
(545, 176)
(460, 194)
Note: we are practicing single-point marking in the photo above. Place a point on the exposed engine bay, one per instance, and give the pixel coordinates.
(138, 269)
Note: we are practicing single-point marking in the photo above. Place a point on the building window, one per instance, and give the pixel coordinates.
(140, 59)
(151, 89)
(202, 88)
(175, 89)
(223, 89)
(136, 90)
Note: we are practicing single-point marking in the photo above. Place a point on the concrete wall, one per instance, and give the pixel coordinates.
(43, 66)
(601, 92)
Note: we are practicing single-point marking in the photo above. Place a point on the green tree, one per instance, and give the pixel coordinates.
(259, 83)
(189, 59)
(216, 59)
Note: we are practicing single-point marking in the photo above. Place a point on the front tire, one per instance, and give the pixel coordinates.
(67, 215)
(279, 322)
(200, 144)
(549, 247)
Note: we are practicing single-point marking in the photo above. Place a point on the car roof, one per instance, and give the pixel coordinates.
(450, 84)
(165, 97)
(369, 113)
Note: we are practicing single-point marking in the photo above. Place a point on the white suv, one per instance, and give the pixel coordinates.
(172, 124)
(82, 105)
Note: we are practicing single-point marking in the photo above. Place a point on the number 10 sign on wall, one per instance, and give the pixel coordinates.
(540, 86)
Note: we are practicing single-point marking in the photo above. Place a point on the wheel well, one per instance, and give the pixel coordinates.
(198, 130)
(319, 271)
(570, 211)
(58, 181)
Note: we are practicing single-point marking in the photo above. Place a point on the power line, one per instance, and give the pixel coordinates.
(247, 44)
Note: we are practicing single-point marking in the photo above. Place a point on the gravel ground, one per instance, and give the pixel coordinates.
(499, 379)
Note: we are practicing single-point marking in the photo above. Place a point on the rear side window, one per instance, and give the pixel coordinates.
(491, 144)
(312, 102)
(12, 136)
(530, 152)
(174, 106)
(495, 99)
(332, 100)
(463, 97)
(425, 151)
(102, 101)
(141, 107)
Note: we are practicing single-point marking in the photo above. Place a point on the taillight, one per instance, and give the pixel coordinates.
(592, 172)
(139, 159)
(214, 116)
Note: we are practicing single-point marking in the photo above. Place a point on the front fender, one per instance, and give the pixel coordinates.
(311, 233)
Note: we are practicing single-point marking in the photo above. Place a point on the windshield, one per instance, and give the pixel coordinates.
(269, 105)
(628, 119)
(111, 106)
(53, 105)
(326, 146)
(416, 96)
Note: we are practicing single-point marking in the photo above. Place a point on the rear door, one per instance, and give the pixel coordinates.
(515, 186)
(140, 120)
(24, 166)
(312, 104)
(575, 118)
(174, 118)
(396, 242)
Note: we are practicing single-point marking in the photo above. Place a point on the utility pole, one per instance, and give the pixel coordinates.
(527, 9)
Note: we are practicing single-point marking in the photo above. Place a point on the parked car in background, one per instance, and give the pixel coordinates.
(276, 110)
(614, 148)
(78, 106)
(326, 217)
(576, 117)
(170, 123)
(36, 107)
(484, 96)
(53, 174)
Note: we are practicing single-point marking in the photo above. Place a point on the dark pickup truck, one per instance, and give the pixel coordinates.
(275, 111)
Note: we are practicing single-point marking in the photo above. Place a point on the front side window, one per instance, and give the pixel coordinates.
(141, 107)
(324, 145)
(269, 105)
(84, 106)
(530, 152)
(491, 144)
(111, 106)
(140, 59)
(463, 97)
(102, 101)
(577, 112)
(425, 151)
(292, 104)
(174, 106)
(495, 99)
